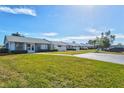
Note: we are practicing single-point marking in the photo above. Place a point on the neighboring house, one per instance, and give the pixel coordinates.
(83, 46)
(89, 46)
(117, 46)
(20, 43)
(58, 45)
(73, 46)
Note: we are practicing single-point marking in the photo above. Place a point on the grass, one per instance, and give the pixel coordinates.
(38, 70)
(74, 52)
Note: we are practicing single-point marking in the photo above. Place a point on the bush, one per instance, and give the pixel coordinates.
(47, 50)
(4, 50)
(53, 50)
(71, 49)
(19, 51)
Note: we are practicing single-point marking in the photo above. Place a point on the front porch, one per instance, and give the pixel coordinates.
(31, 47)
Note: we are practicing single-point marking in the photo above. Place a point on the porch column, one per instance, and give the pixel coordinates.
(25, 47)
(9, 45)
(34, 47)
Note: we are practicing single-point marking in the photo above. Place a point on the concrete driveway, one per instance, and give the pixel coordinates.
(103, 57)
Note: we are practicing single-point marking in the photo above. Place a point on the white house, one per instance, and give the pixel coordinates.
(73, 46)
(86, 46)
(58, 45)
(28, 44)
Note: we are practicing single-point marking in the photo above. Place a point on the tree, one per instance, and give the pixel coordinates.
(92, 42)
(73, 42)
(106, 39)
(16, 34)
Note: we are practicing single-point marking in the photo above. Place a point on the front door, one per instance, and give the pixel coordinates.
(31, 48)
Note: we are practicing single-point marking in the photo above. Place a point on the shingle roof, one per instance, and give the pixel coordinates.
(58, 43)
(73, 44)
(26, 39)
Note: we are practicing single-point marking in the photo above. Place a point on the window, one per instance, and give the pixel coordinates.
(28, 46)
(59, 46)
(44, 46)
(19, 46)
(32, 47)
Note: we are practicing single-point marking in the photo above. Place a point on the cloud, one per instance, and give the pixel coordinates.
(25, 11)
(49, 34)
(112, 29)
(92, 30)
(80, 37)
(73, 38)
(25, 33)
(120, 36)
(97, 31)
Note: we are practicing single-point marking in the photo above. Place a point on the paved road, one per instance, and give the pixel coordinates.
(103, 57)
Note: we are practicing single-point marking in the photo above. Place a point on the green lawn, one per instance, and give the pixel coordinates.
(75, 52)
(38, 70)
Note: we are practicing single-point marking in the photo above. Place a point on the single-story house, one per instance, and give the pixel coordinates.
(58, 45)
(21, 43)
(73, 46)
(84, 46)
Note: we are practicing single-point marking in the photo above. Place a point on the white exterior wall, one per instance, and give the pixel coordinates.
(44, 46)
(11, 46)
(77, 48)
(52, 47)
(62, 48)
(25, 46)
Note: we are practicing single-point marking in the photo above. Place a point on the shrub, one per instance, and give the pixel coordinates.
(19, 51)
(47, 50)
(71, 49)
(53, 50)
(3, 50)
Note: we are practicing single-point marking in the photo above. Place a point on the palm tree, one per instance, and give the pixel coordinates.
(106, 39)
(92, 42)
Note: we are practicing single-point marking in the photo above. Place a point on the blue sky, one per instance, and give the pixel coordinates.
(62, 23)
